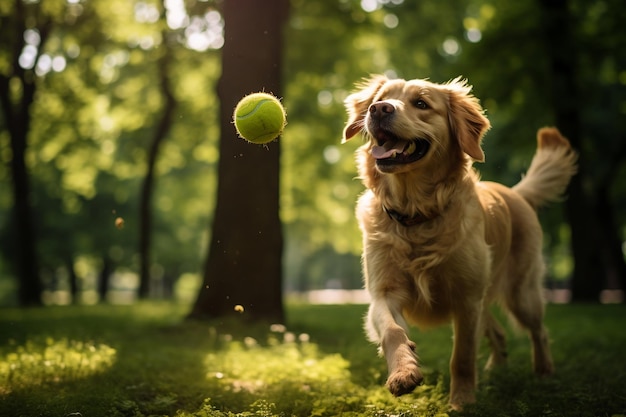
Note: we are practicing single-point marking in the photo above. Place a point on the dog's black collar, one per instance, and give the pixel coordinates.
(406, 220)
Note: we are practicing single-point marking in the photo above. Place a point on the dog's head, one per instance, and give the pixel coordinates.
(411, 122)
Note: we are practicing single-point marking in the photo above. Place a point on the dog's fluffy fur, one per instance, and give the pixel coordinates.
(438, 243)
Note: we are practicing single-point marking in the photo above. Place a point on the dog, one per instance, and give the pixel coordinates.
(439, 244)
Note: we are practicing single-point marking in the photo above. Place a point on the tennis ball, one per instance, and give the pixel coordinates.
(259, 118)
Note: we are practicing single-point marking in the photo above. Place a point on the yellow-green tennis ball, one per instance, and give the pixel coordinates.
(259, 118)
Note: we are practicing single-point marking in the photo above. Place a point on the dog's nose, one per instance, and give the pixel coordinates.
(381, 109)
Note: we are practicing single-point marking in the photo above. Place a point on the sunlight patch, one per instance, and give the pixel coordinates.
(288, 375)
(51, 361)
(249, 365)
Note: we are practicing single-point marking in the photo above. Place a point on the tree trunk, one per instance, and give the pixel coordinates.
(589, 270)
(611, 242)
(73, 279)
(244, 264)
(17, 118)
(104, 279)
(147, 189)
(27, 258)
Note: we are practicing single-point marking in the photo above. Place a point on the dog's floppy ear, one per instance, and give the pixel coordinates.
(358, 103)
(467, 121)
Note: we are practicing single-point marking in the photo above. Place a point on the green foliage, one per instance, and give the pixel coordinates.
(97, 102)
(88, 141)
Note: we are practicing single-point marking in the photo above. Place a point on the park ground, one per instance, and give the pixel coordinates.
(147, 360)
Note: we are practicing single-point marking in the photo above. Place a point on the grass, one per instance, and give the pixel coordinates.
(144, 360)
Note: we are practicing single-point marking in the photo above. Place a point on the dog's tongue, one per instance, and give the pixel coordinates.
(388, 149)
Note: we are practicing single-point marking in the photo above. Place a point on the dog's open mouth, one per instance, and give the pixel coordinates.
(390, 149)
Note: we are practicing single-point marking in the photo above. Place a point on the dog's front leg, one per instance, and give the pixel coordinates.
(387, 327)
(463, 362)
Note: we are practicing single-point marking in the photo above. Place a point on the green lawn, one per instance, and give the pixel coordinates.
(144, 360)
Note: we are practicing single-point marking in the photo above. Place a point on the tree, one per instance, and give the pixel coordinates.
(596, 244)
(162, 128)
(97, 105)
(244, 263)
(18, 85)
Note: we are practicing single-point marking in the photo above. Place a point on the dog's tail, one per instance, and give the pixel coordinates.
(551, 169)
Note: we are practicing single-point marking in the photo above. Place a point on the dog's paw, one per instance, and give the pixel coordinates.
(544, 369)
(405, 375)
(459, 399)
(404, 381)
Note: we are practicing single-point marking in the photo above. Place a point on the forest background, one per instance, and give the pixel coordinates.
(88, 88)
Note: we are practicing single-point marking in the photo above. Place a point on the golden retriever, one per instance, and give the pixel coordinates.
(438, 243)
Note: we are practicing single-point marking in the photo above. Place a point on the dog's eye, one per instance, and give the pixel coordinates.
(420, 104)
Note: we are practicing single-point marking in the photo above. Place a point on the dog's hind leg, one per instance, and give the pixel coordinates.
(497, 340)
(526, 304)
(387, 327)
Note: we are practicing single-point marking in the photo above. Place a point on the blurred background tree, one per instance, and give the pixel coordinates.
(94, 114)
(94, 72)
(244, 263)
